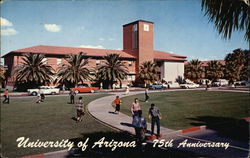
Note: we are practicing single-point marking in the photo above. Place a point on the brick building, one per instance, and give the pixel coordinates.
(138, 46)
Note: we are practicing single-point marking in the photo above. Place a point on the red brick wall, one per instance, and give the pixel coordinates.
(145, 43)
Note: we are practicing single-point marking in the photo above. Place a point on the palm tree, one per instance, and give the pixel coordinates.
(111, 70)
(2, 75)
(74, 71)
(148, 72)
(214, 70)
(228, 16)
(193, 70)
(33, 71)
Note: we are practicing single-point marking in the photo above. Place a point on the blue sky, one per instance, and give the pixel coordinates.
(180, 26)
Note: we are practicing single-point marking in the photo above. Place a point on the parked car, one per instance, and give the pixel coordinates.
(189, 85)
(44, 89)
(241, 83)
(85, 89)
(156, 86)
(216, 84)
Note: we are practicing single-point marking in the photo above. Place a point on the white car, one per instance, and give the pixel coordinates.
(189, 85)
(45, 90)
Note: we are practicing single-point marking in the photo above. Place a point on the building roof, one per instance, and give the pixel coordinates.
(159, 55)
(205, 63)
(61, 50)
(137, 22)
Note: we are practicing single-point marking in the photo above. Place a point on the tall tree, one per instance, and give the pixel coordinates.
(148, 72)
(33, 70)
(214, 70)
(228, 16)
(2, 75)
(236, 65)
(111, 70)
(75, 70)
(193, 70)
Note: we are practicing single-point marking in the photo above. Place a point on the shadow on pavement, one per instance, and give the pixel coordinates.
(236, 129)
(127, 124)
(123, 152)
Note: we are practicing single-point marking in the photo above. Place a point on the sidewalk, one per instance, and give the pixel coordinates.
(102, 110)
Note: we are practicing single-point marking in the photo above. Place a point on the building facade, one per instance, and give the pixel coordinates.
(138, 47)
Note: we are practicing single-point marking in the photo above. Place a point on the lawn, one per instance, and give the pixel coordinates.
(184, 109)
(48, 121)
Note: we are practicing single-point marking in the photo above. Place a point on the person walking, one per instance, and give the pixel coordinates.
(140, 125)
(39, 97)
(6, 96)
(135, 107)
(127, 90)
(42, 97)
(72, 95)
(79, 109)
(155, 116)
(117, 103)
(146, 95)
(206, 84)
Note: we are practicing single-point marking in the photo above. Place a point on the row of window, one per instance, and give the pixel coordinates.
(59, 62)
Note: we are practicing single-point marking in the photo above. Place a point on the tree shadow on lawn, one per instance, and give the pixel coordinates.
(236, 129)
(123, 152)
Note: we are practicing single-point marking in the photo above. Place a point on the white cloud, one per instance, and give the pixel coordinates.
(52, 27)
(5, 22)
(8, 32)
(111, 39)
(91, 46)
(101, 39)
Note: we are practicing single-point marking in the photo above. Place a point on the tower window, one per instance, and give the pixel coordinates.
(135, 36)
(146, 27)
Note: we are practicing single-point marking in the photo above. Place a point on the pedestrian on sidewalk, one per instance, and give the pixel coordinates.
(127, 90)
(6, 96)
(140, 125)
(72, 95)
(155, 116)
(135, 107)
(79, 109)
(117, 103)
(146, 95)
(42, 97)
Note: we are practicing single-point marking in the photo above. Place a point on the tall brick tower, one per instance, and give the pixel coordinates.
(138, 40)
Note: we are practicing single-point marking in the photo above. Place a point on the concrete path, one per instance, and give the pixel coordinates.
(102, 110)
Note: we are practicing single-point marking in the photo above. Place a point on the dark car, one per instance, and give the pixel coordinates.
(156, 86)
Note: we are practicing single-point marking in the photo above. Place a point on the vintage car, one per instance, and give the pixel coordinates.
(84, 89)
(156, 86)
(189, 85)
(44, 90)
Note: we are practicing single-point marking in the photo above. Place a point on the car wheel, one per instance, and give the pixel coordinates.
(53, 93)
(34, 93)
(187, 87)
(92, 91)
